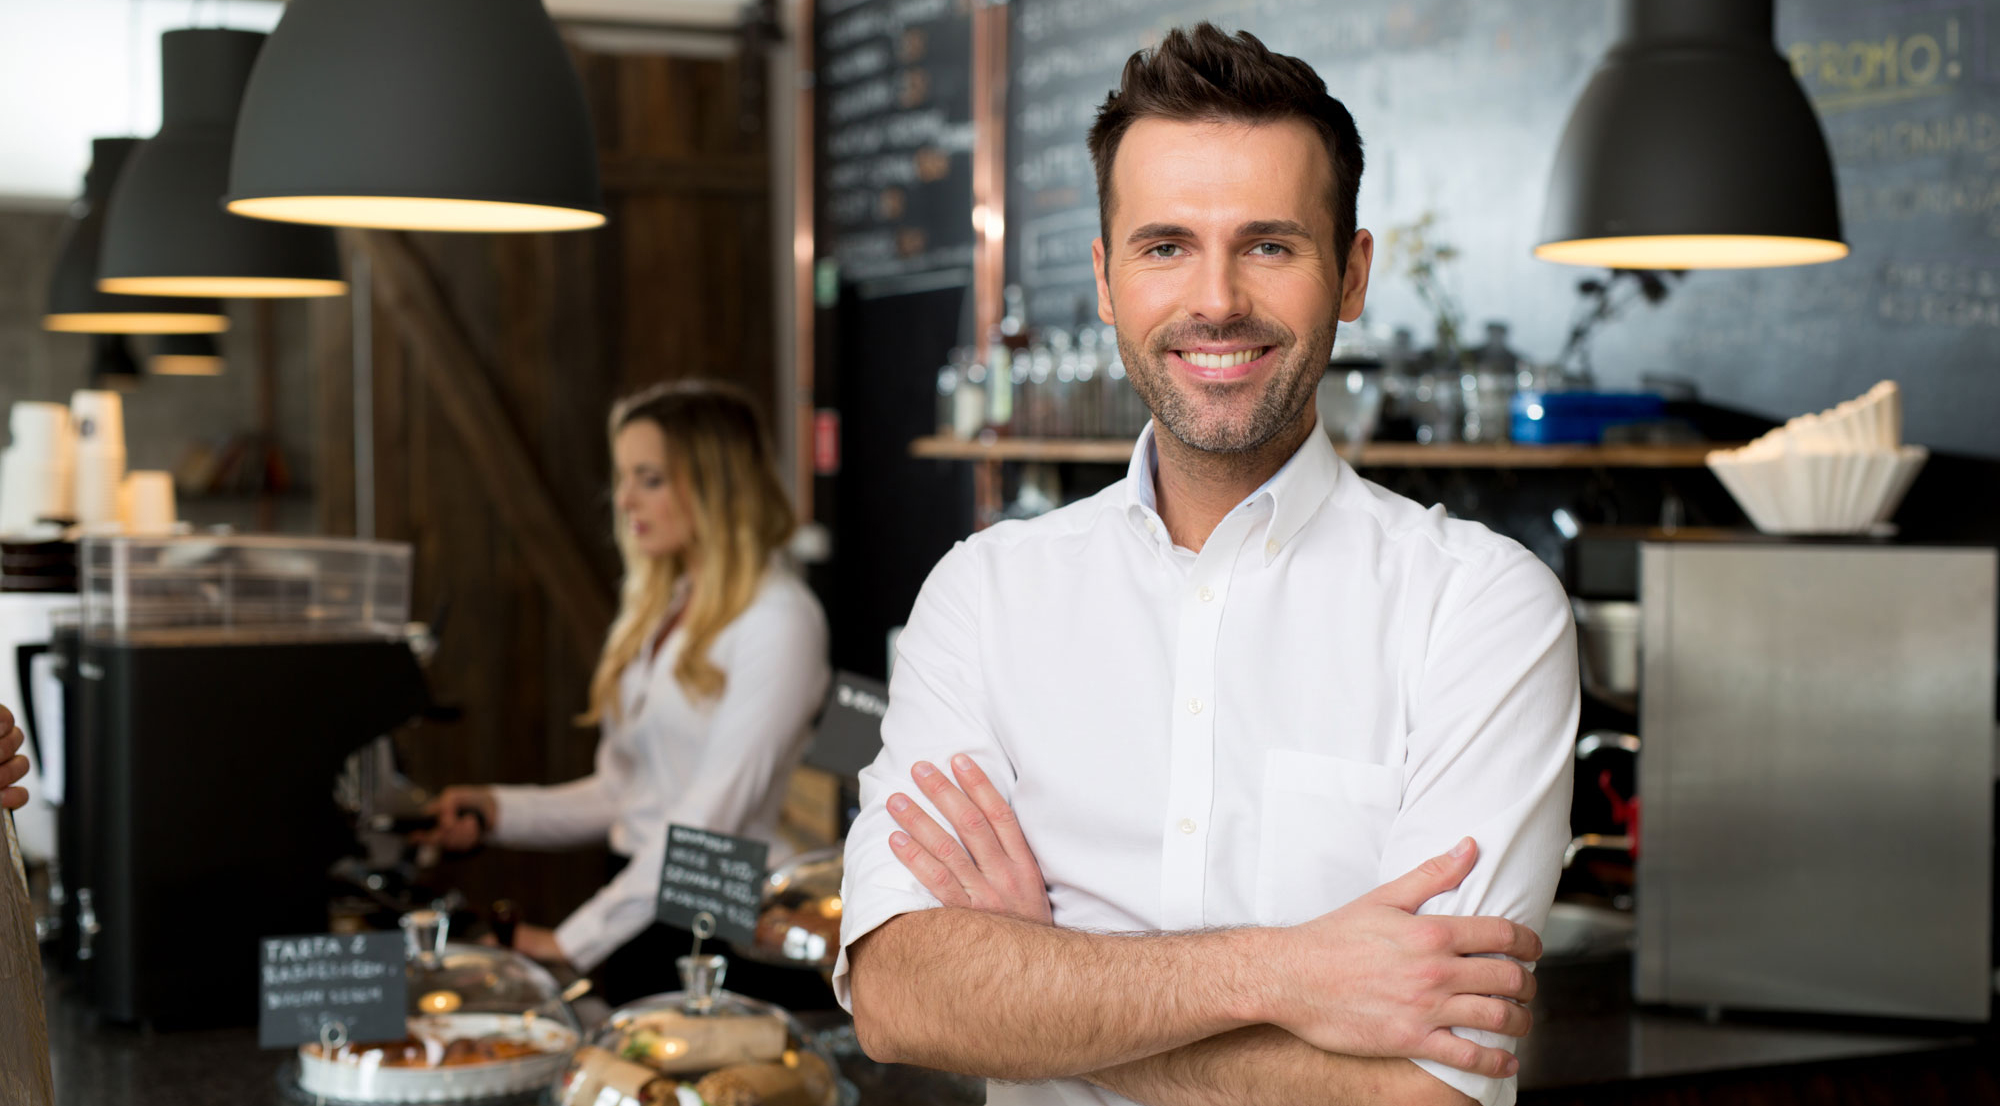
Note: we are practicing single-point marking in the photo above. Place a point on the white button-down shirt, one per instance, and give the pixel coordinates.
(1337, 687)
(720, 765)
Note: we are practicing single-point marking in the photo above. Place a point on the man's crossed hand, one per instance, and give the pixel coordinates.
(1372, 978)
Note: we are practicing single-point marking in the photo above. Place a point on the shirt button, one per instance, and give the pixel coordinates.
(1152, 527)
(1187, 825)
(1270, 549)
(1194, 706)
(1204, 594)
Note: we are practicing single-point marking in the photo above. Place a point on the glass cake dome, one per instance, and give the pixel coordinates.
(702, 1046)
(485, 1025)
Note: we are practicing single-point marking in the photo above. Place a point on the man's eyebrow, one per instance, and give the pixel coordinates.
(1273, 228)
(1158, 230)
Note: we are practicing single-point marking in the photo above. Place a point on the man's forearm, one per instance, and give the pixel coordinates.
(990, 995)
(1263, 1064)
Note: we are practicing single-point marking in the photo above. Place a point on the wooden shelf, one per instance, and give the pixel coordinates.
(1373, 455)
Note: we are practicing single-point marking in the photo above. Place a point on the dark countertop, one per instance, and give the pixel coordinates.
(1588, 1036)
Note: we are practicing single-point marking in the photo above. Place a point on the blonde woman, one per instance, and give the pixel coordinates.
(709, 680)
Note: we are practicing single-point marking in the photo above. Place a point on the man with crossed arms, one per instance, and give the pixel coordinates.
(1293, 752)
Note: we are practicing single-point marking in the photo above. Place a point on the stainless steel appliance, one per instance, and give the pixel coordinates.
(1818, 777)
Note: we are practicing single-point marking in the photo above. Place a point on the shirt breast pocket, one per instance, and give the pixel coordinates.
(1324, 825)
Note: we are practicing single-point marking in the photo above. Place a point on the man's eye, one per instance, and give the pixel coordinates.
(1162, 249)
(1269, 249)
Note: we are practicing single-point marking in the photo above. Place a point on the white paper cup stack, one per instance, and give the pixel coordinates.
(38, 468)
(147, 507)
(1841, 471)
(100, 455)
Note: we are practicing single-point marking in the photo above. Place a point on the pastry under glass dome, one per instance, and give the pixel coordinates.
(702, 1046)
(485, 1024)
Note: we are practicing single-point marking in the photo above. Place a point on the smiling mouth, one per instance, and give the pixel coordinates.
(1222, 360)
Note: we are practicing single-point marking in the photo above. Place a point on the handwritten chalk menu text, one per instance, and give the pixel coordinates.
(894, 92)
(716, 874)
(331, 988)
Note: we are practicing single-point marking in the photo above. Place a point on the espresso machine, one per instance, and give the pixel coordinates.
(217, 686)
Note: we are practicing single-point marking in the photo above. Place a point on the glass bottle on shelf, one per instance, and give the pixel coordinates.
(1489, 385)
(1031, 402)
(947, 393)
(1087, 419)
(969, 412)
(1066, 389)
(1399, 383)
(1000, 384)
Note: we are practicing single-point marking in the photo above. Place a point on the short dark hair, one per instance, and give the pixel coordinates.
(1202, 74)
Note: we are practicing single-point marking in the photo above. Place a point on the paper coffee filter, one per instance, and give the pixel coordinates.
(1812, 492)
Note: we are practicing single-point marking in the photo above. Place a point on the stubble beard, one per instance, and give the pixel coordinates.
(1178, 408)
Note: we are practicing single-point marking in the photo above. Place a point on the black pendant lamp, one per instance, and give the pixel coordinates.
(76, 305)
(168, 234)
(457, 115)
(186, 355)
(111, 365)
(1693, 147)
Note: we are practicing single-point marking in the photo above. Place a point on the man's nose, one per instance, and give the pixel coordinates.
(1218, 295)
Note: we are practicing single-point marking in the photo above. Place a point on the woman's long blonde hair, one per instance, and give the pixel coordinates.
(738, 516)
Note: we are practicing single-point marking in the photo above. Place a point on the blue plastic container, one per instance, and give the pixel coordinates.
(1548, 418)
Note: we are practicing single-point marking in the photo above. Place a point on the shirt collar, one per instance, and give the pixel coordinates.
(1296, 490)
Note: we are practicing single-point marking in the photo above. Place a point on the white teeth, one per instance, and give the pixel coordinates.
(1221, 360)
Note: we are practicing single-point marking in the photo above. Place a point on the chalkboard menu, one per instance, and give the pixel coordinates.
(330, 989)
(713, 874)
(893, 81)
(1460, 107)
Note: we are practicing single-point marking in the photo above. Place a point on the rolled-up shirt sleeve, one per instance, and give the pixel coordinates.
(775, 658)
(937, 709)
(1491, 755)
(564, 816)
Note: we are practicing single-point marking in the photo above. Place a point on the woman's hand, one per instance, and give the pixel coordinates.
(464, 815)
(13, 766)
(539, 943)
(994, 871)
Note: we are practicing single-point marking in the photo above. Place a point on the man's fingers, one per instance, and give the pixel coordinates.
(1454, 1051)
(932, 838)
(11, 740)
(1427, 880)
(1471, 936)
(974, 831)
(933, 875)
(1494, 1015)
(13, 771)
(1477, 975)
(985, 796)
(6, 719)
(13, 798)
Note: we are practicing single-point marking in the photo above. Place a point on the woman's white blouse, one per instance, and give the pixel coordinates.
(721, 765)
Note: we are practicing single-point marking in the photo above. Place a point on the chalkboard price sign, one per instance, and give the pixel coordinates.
(894, 88)
(716, 874)
(331, 988)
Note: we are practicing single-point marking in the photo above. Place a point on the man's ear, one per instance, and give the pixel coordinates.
(1098, 268)
(1354, 282)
